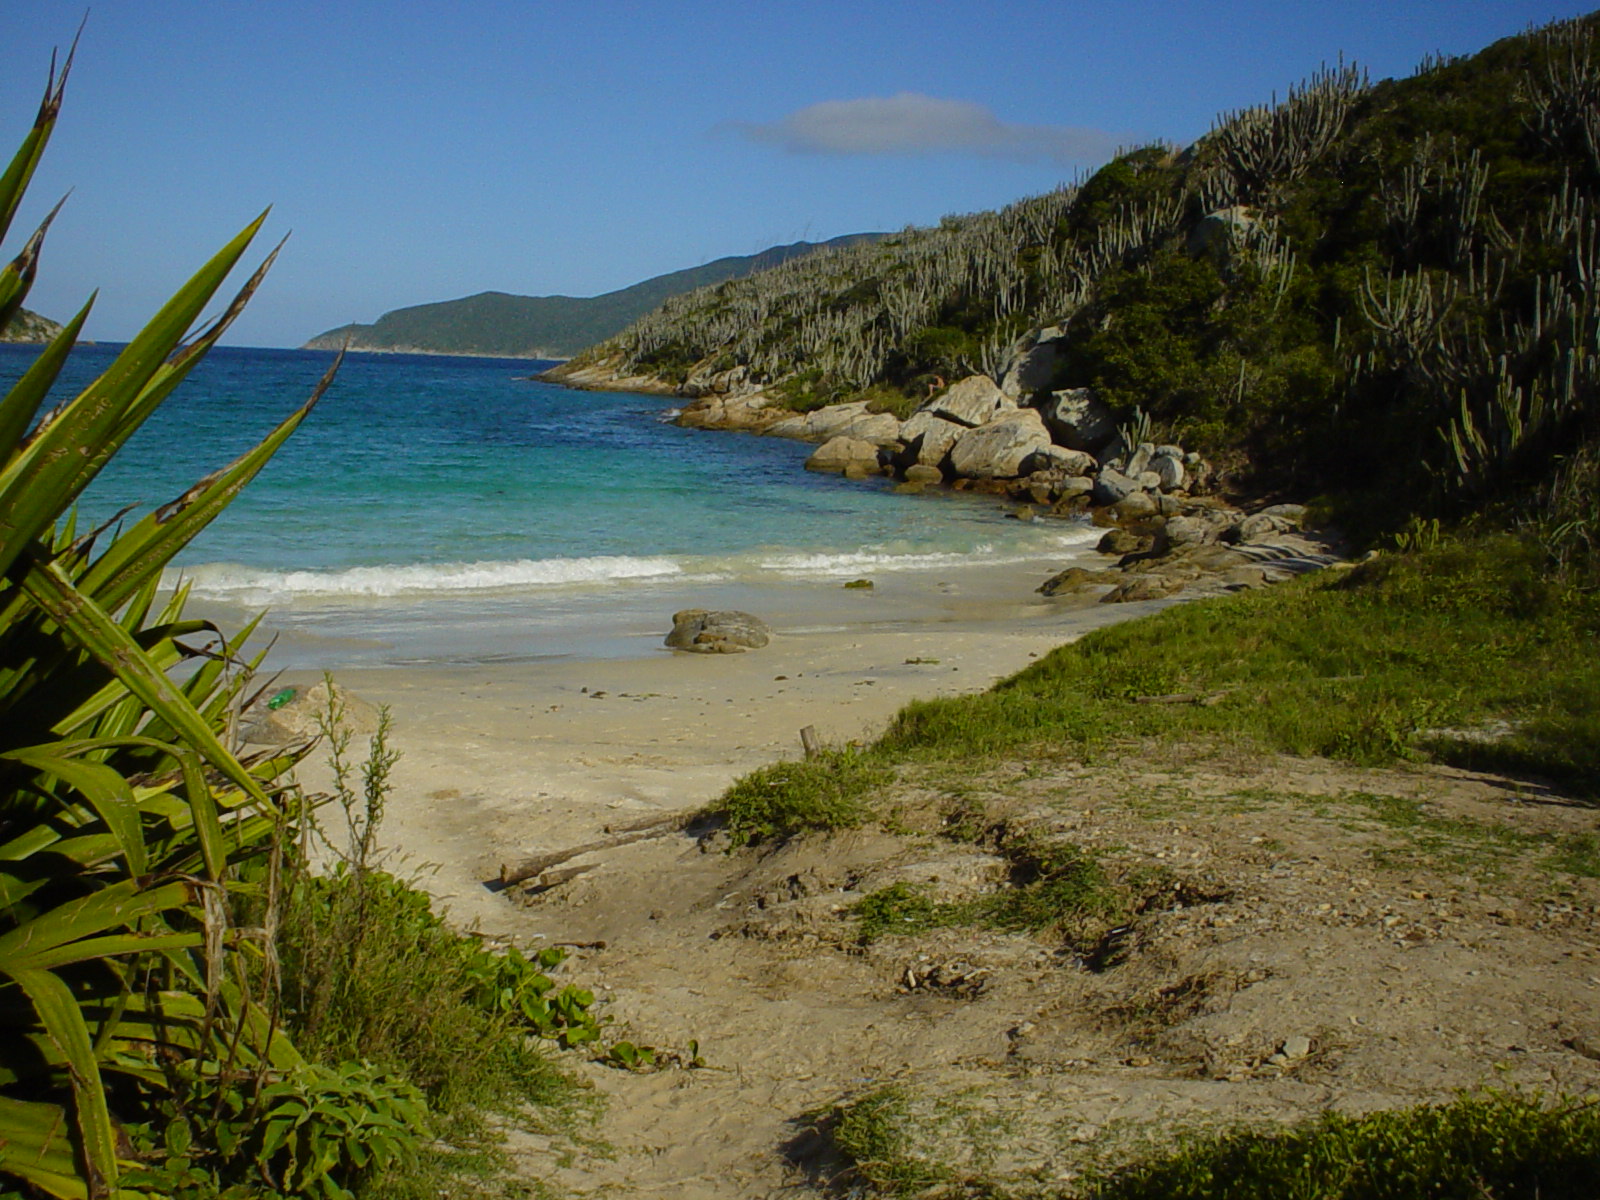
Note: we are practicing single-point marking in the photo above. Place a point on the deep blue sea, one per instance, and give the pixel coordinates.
(429, 491)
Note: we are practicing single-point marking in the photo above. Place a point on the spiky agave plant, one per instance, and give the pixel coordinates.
(124, 816)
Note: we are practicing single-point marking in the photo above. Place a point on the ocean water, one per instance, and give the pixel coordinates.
(451, 509)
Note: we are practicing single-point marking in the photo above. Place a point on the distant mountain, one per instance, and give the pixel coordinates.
(29, 326)
(503, 325)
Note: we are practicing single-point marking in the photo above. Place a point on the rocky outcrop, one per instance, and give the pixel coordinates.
(998, 449)
(1033, 363)
(1215, 234)
(745, 412)
(854, 420)
(702, 631)
(972, 402)
(1196, 547)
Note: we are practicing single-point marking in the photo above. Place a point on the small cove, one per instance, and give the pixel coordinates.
(440, 509)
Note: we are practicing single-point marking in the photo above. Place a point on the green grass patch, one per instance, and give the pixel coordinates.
(1060, 888)
(1369, 666)
(1577, 854)
(786, 798)
(872, 1133)
(1372, 666)
(1488, 1146)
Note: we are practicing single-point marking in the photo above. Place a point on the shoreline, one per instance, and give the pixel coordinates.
(505, 760)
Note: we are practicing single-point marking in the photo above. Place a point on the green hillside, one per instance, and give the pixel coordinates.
(497, 323)
(1377, 292)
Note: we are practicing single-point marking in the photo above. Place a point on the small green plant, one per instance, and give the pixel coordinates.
(315, 1131)
(871, 1132)
(786, 798)
(631, 1057)
(510, 983)
(900, 908)
(1057, 888)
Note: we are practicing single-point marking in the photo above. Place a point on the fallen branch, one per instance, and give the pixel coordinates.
(1202, 698)
(653, 827)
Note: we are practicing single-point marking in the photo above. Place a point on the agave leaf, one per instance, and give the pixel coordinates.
(14, 183)
(123, 903)
(105, 790)
(89, 949)
(63, 454)
(17, 275)
(112, 645)
(38, 1149)
(138, 556)
(63, 1022)
(22, 402)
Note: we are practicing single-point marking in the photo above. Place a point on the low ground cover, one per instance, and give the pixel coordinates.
(1468, 653)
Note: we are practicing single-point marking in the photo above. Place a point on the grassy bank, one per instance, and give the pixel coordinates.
(1480, 1146)
(1470, 654)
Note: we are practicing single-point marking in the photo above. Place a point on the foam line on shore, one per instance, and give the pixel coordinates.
(234, 582)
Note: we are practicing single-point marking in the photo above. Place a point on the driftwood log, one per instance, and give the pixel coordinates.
(512, 874)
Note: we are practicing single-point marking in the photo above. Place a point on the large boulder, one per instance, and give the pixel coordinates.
(708, 632)
(745, 411)
(882, 429)
(1033, 363)
(1139, 462)
(928, 439)
(1077, 579)
(1059, 458)
(1111, 485)
(1169, 469)
(838, 455)
(1265, 524)
(998, 450)
(1077, 420)
(973, 401)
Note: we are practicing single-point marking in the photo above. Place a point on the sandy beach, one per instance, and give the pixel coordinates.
(504, 760)
(751, 962)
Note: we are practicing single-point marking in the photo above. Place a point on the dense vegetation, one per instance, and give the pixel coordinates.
(1381, 290)
(189, 1010)
(496, 323)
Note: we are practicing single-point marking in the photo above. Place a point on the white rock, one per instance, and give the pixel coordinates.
(973, 401)
(997, 450)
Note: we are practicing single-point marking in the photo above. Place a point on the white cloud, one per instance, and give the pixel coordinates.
(911, 123)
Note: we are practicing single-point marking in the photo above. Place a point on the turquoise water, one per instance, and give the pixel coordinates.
(430, 493)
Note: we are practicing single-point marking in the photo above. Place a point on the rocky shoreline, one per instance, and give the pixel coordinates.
(1054, 454)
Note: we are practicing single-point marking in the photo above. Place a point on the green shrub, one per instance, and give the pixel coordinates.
(786, 798)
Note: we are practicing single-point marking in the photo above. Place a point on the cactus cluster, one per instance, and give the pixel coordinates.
(1399, 276)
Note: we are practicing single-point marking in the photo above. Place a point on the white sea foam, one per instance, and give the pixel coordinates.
(233, 582)
(251, 585)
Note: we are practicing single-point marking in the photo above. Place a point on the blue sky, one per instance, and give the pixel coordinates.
(421, 151)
